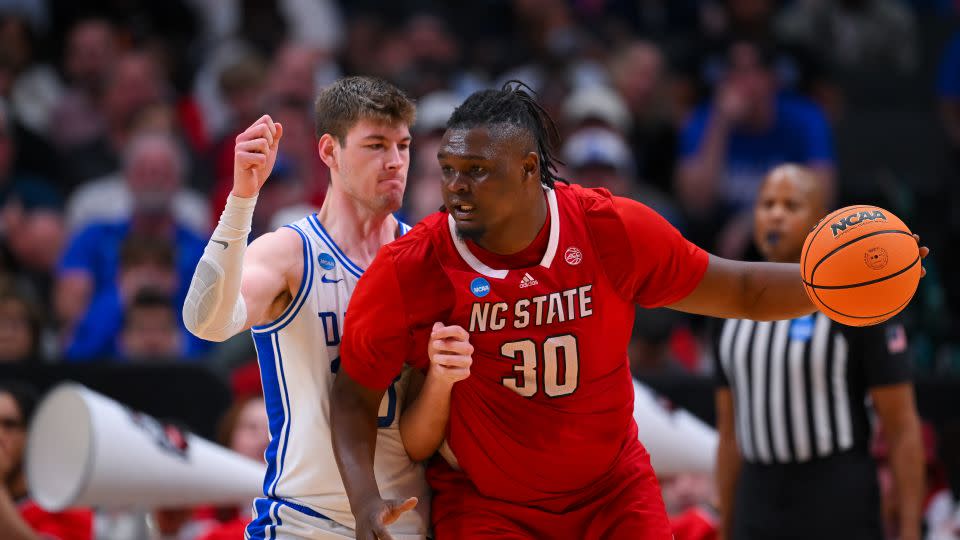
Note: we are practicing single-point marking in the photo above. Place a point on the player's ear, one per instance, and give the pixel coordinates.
(531, 166)
(329, 149)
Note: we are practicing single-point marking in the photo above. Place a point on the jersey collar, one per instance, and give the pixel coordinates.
(478, 265)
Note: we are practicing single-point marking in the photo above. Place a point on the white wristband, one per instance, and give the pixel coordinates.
(237, 218)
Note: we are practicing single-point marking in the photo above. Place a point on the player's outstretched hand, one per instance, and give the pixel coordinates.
(924, 251)
(254, 156)
(451, 353)
(373, 520)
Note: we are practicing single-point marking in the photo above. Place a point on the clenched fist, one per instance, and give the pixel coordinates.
(450, 352)
(254, 156)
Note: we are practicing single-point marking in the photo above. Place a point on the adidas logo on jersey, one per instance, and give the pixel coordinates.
(527, 281)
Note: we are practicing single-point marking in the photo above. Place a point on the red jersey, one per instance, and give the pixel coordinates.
(548, 407)
(73, 524)
(694, 524)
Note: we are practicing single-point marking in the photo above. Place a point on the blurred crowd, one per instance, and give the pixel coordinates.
(117, 123)
(118, 119)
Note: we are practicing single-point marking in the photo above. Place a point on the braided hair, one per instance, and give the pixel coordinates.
(514, 105)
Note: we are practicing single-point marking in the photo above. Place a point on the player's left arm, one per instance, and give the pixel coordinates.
(659, 267)
(760, 291)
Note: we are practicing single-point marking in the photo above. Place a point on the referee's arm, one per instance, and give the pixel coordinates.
(727, 467)
(895, 409)
(886, 360)
(728, 460)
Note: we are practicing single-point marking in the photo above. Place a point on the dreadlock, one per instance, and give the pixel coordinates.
(514, 105)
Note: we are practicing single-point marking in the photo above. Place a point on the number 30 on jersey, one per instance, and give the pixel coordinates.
(557, 358)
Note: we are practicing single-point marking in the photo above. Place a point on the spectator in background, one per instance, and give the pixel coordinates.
(134, 83)
(433, 55)
(130, 313)
(601, 158)
(798, 69)
(729, 144)
(596, 106)
(662, 344)
(34, 87)
(20, 517)
(151, 329)
(31, 226)
(21, 327)
(90, 265)
(690, 499)
(292, 74)
(237, 29)
(88, 58)
(878, 35)
(948, 94)
(164, 162)
(639, 72)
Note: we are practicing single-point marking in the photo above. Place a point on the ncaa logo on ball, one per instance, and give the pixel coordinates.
(853, 220)
(573, 256)
(480, 287)
(325, 260)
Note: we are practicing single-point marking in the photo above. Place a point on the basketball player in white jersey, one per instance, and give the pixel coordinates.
(291, 287)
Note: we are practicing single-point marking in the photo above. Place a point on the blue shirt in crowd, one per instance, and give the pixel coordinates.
(948, 79)
(95, 249)
(800, 134)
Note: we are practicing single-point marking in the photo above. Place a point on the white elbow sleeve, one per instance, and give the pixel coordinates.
(214, 308)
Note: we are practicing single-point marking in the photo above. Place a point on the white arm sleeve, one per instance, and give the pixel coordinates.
(214, 309)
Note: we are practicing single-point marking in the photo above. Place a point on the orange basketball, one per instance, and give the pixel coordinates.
(860, 265)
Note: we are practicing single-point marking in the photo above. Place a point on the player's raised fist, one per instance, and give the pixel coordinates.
(254, 156)
(451, 353)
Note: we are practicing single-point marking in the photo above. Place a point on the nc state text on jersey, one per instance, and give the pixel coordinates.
(556, 307)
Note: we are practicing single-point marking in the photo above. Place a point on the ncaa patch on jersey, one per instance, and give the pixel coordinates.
(480, 287)
(801, 329)
(325, 260)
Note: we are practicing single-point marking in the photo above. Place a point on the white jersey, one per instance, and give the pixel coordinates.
(299, 356)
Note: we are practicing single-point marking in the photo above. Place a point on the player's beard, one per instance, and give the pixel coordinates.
(473, 234)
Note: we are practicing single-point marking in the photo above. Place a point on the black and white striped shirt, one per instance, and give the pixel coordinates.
(800, 386)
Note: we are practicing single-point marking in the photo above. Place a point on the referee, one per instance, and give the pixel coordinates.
(796, 399)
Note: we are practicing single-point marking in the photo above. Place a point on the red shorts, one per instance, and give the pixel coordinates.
(628, 507)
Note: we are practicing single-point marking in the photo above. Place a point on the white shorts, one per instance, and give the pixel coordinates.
(276, 519)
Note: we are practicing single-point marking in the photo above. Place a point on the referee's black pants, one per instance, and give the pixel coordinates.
(836, 497)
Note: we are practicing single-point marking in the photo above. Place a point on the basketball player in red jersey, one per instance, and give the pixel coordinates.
(545, 277)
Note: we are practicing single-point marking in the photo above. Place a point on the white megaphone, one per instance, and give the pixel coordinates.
(678, 442)
(85, 449)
